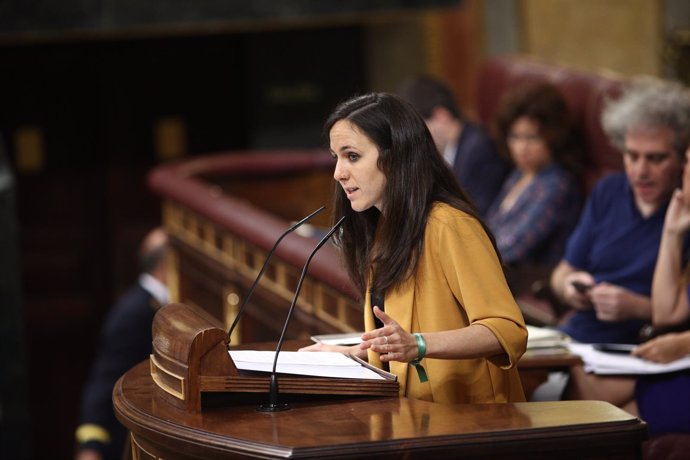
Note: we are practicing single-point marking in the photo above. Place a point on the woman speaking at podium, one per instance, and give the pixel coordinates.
(438, 311)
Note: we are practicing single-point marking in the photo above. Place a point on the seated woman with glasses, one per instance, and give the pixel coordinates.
(539, 202)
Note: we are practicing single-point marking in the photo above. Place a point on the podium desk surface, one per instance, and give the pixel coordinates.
(373, 428)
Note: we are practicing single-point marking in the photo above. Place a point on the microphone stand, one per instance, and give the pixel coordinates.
(263, 268)
(274, 405)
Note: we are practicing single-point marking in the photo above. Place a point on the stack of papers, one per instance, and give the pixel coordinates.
(544, 337)
(316, 364)
(606, 363)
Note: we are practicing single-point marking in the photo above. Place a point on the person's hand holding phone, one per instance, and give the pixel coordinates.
(615, 303)
(581, 287)
(577, 287)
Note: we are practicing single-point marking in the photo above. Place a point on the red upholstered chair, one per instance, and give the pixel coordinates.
(584, 92)
(603, 157)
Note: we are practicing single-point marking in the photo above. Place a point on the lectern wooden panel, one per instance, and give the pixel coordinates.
(382, 428)
(190, 357)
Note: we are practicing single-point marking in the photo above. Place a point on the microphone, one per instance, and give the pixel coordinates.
(273, 405)
(263, 268)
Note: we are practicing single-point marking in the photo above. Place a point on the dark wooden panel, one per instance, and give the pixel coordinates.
(110, 16)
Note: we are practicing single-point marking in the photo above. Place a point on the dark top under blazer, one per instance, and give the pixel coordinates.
(478, 167)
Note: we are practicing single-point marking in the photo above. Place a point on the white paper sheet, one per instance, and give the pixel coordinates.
(351, 338)
(317, 364)
(543, 333)
(603, 363)
(544, 337)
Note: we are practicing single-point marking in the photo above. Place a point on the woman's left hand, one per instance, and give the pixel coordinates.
(615, 303)
(663, 349)
(391, 341)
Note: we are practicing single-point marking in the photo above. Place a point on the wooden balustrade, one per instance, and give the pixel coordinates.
(224, 212)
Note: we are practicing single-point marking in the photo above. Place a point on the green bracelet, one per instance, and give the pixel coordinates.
(421, 347)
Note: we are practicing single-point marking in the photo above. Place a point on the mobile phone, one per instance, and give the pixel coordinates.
(581, 287)
(624, 348)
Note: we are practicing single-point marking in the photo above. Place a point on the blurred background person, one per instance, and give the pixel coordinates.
(125, 341)
(663, 401)
(613, 250)
(538, 204)
(465, 146)
(606, 274)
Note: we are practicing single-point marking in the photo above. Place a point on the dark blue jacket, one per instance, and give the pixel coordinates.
(125, 341)
(479, 168)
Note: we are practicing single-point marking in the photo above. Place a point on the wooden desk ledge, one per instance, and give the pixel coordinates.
(383, 427)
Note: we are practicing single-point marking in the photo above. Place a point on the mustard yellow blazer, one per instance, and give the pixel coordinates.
(458, 282)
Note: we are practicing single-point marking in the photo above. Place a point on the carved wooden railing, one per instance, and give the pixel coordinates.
(224, 212)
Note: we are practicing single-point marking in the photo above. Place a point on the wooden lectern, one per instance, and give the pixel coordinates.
(190, 357)
(380, 428)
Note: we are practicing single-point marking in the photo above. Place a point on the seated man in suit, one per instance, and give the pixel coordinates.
(125, 341)
(606, 274)
(467, 147)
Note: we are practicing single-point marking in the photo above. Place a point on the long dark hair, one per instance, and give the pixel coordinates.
(416, 177)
